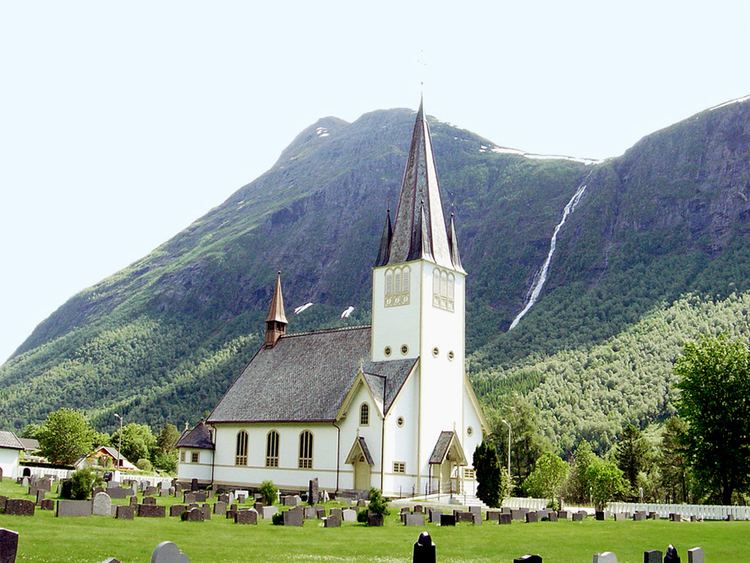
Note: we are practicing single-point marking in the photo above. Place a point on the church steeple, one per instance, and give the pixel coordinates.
(419, 230)
(453, 245)
(385, 241)
(276, 320)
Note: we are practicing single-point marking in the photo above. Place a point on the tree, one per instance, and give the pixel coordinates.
(606, 481)
(673, 464)
(80, 484)
(632, 453)
(65, 436)
(168, 437)
(138, 442)
(547, 478)
(715, 387)
(269, 492)
(577, 487)
(488, 473)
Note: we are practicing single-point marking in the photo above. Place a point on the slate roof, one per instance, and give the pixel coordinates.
(9, 441)
(305, 378)
(199, 437)
(441, 446)
(29, 444)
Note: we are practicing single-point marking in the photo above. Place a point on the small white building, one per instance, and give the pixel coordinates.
(387, 405)
(10, 450)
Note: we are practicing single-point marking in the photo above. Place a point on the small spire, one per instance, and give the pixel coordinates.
(276, 320)
(385, 241)
(453, 245)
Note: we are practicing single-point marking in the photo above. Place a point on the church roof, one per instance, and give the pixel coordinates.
(443, 445)
(9, 440)
(199, 437)
(419, 230)
(305, 378)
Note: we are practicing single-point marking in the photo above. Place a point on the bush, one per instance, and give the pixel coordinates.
(278, 519)
(378, 503)
(362, 516)
(269, 492)
(80, 484)
(144, 465)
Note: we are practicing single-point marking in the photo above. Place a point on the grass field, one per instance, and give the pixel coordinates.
(46, 538)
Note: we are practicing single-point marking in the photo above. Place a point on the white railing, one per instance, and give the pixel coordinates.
(45, 472)
(526, 502)
(704, 511)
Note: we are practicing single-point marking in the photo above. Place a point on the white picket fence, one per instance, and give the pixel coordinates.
(526, 502)
(142, 480)
(45, 472)
(704, 511)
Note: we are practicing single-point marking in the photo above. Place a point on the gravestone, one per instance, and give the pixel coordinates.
(206, 511)
(269, 511)
(71, 508)
(249, 516)
(447, 520)
(192, 515)
(552, 516)
(241, 498)
(134, 501)
(532, 517)
(47, 504)
(374, 519)
(310, 513)
(320, 513)
(230, 513)
(289, 500)
(194, 484)
(674, 517)
(404, 509)
(361, 503)
(258, 506)
(187, 498)
(653, 556)
(220, 508)
(200, 496)
(19, 507)
(151, 511)
(424, 549)
(294, 517)
(25, 481)
(528, 559)
(40, 496)
(333, 521)
(434, 515)
(696, 555)
(224, 498)
(505, 519)
(168, 552)
(177, 509)
(416, 519)
(653, 515)
(563, 514)
(312, 491)
(461, 516)
(149, 500)
(8, 545)
(3, 500)
(476, 510)
(120, 492)
(337, 512)
(620, 516)
(639, 516)
(671, 555)
(124, 512)
(600, 515)
(418, 508)
(493, 515)
(348, 515)
(1, 474)
(149, 491)
(605, 557)
(517, 514)
(102, 505)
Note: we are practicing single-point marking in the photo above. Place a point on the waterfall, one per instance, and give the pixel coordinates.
(541, 276)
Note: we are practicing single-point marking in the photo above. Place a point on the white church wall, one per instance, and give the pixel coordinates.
(188, 469)
(470, 439)
(287, 474)
(351, 429)
(9, 462)
(395, 326)
(401, 441)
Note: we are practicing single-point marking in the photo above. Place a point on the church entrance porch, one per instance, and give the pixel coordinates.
(361, 460)
(445, 462)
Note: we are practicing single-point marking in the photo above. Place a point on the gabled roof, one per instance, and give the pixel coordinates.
(29, 444)
(445, 441)
(199, 437)
(306, 377)
(8, 440)
(360, 448)
(419, 230)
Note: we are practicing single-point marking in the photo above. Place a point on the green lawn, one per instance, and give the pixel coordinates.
(46, 538)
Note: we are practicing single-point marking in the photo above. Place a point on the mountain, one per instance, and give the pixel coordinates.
(660, 232)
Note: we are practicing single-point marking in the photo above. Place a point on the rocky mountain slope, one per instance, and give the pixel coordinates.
(162, 339)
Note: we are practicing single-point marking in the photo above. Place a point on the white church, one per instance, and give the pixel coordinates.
(386, 406)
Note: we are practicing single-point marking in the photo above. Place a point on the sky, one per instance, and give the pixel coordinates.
(121, 123)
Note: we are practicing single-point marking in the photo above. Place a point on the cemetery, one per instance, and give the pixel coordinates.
(236, 525)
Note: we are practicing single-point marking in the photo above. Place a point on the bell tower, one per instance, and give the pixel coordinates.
(276, 320)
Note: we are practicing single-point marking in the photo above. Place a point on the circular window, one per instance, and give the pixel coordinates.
(404, 349)
(435, 351)
(387, 351)
(451, 355)
(400, 421)
(469, 431)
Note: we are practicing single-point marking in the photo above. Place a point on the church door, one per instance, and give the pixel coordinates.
(362, 474)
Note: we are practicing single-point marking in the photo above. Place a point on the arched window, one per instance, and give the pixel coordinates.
(443, 289)
(397, 284)
(272, 449)
(240, 454)
(364, 414)
(305, 450)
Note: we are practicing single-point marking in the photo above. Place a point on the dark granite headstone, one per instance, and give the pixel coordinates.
(248, 516)
(337, 512)
(404, 509)
(674, 517)
(206, 511)
(150, 491)
(600, 515)
(532, 517)
(505, 519)
(320, 513)
(418, 508)
(67, 508)
(8, 545)
(194, 484)
(312, 491)
(652, 556)
(374, 519)
(447, 520)
(416, 519)
(434, 515)
(230, 513)
(424, 549)
(224, 498)
(151, 511)
(149, 500)
(1, 474)
(134, 501)
(47, 504)
(294, 517)
(40, 496)
(528, 559)
(639, 516)
(124, 512)
(19, 507)
(258, 506)
(200, 496)
(332, 521)
(220, 508)
(653, 515)
(671, 555)
(462, 516)
(563, 515)
(493, 515)
(3, 500)
(310, 513)
(177, 509)
(552, 516)
(518, 514)
(192, 515)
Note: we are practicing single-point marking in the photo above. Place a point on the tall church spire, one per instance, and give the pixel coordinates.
(276, 320)
(419, 230)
